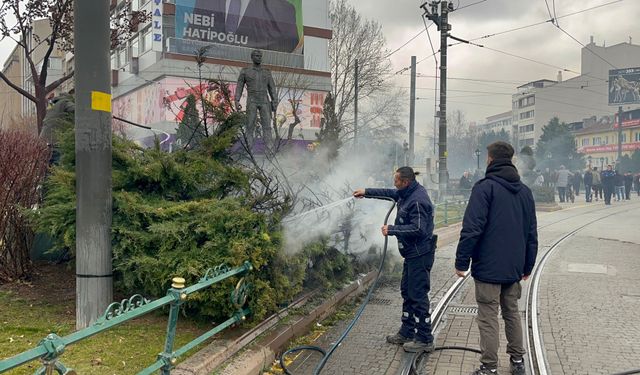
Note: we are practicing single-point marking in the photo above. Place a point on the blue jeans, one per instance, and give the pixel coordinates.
(587, 192)
(619, 192)
(414, 288)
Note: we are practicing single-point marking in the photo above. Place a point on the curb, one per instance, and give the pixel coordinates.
(261, 355)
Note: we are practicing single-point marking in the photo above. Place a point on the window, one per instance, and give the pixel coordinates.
(585, 141)
(525, 115)
(134, 47)
(597, 141)
(525, 102)
(624, 137)
(606, 140)
(637, 137)
(123, 57)
(526, 128)
(146, 40)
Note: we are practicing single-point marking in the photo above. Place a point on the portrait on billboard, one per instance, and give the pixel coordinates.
(274, 25)
(624, 86)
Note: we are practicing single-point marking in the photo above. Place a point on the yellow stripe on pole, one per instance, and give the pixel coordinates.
(100, 101)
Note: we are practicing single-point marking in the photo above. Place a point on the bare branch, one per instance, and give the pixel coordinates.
(19, 89)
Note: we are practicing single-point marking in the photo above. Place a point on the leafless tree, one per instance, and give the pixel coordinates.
(24, 163)
(355, 38)
(17, 18)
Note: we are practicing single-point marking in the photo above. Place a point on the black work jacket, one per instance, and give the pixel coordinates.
(499, 234)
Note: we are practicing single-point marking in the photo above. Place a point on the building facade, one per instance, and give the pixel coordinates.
(497, 123)
(17, 111)
(154, 72)
(575, 99)
(599, 141)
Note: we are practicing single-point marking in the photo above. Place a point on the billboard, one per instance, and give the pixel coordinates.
(274, 25)
(624, 86)
(164, 102)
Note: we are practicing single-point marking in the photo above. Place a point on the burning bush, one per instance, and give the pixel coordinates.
(178, 214)
(23, 164)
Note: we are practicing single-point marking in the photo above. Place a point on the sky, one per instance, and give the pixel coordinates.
(610, 24)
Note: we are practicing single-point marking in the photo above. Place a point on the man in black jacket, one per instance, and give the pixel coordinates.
(588, 182)
(413, 228)
(499, 233)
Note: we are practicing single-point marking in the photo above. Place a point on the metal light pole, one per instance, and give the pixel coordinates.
(620, 112)
(478, 158)
(589, 160)
(601, 163)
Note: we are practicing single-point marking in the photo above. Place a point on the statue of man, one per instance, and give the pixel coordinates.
(261, 96)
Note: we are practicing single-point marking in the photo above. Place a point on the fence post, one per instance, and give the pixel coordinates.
(179, 298)
(446, 212)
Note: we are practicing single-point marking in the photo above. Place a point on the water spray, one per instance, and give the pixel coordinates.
(327, 354)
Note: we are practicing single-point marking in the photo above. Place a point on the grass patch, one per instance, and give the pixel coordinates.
(26, 318)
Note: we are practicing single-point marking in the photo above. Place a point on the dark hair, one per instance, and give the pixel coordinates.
(500, 150)
(407, 173)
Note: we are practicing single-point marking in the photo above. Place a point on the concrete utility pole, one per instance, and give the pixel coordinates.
(355, 108)
(620, 112)
(442, 21)
(94, 276)
(412, 111)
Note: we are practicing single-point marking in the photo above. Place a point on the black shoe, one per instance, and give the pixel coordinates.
(398, 339)
(517, 368)
(483, 370)
(418, 346)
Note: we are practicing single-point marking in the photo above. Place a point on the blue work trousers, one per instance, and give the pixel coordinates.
(414, 288)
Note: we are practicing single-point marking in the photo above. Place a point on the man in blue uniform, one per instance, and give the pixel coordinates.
(413, 228)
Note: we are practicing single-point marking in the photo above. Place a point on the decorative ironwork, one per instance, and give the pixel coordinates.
(51, 367)
(240, 293)
(119, 308)
(215, 271)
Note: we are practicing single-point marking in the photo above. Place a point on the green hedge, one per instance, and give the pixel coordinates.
(178, 214)
(543, 194)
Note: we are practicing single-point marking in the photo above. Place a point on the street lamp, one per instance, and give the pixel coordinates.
(478, 158)
(589, 160)
(601, 162)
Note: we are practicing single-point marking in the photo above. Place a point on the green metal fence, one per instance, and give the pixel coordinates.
(52, 347)
(450, 211)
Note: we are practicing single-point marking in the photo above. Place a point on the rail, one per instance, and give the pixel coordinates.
(53, 346)
(449, 211)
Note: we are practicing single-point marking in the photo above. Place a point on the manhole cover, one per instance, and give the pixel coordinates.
(463, 310)
(380, 301)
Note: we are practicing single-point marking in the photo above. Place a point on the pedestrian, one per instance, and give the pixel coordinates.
(413, 229)
(608, 183)
(465, 185)
(577, 181)
(499, 238)
(563, 181)
(636, 183)
(597, 183)
(619, 182)
(588, 182)
(628, 182)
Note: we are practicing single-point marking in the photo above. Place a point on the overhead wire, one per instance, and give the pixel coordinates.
(402, 46)
(469, 5)
(542, 22)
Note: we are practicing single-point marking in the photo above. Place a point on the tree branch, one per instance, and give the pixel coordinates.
(54, 85)
(19, 89)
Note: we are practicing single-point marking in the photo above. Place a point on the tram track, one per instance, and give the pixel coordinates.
(411, 363)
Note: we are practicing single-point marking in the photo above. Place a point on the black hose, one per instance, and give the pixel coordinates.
(327, 355)
(414, 364)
